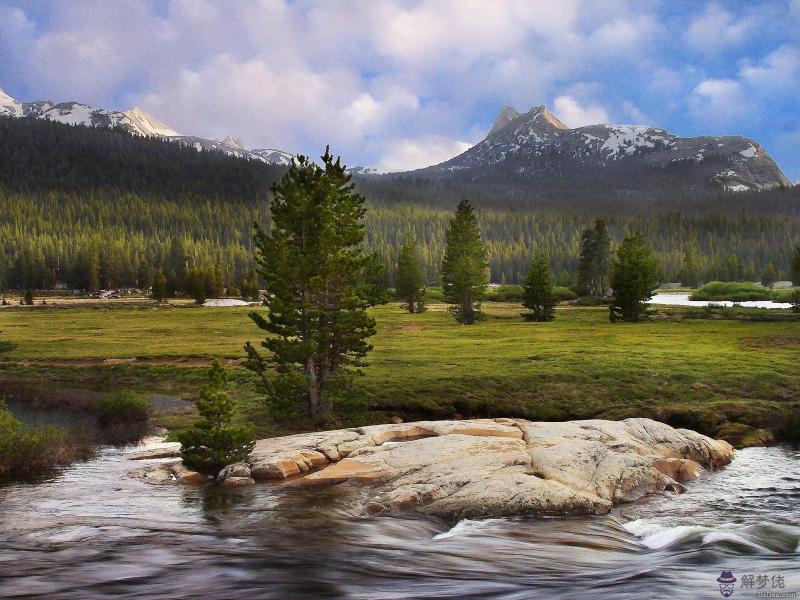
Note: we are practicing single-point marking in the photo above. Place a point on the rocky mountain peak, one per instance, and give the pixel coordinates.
(538, 118)
(541, 114)
(234, 142)
(504, 117)
(147, 125)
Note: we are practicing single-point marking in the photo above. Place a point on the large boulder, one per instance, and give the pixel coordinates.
(494, 467)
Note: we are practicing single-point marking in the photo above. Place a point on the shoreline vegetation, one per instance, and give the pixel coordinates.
(78, 422)
(736, 291)
(675, 367)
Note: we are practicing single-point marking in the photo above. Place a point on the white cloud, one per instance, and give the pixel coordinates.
(716, 29)
(781, 68)
(636, 116)
(400, 82)
(573, 114)
(408, 154)
(720, 102)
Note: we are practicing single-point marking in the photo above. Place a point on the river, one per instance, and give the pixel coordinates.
(95, 532)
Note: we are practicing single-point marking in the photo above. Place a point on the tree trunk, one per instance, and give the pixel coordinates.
(313, 386)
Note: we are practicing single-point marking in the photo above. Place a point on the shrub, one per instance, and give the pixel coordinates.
(122, 407)
(733, 291)
(213, 442)
(506, 293)
(562, 294)
(794, 300)
(434, 294)
(26, 452)
(789, 431)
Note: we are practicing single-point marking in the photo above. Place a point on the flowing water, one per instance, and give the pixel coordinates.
(95, 532)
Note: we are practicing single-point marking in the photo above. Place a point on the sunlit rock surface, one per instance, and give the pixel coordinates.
(494, 467)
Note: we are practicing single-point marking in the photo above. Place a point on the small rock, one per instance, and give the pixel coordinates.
(238, 481)
(280, 468)
(185, 475)
(240, 470)
(172, 451)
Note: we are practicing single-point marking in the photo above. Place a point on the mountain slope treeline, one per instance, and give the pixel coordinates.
(86, 207)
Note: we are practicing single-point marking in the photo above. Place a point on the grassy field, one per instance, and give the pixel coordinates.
(733, 377)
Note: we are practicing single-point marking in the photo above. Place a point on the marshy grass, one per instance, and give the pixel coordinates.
(28, 452)
(707, 368)
(734, 291)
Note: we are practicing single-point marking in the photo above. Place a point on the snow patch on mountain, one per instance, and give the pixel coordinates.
(273, 156)
(537, 145)
(748, 152)
(135, 121)
(9, 106)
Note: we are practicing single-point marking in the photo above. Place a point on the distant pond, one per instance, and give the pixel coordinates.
(683, 300)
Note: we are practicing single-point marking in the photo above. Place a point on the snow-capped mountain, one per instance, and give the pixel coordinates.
(537, 146)
(135, 121)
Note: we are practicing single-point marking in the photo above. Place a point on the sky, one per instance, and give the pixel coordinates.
(404, 84)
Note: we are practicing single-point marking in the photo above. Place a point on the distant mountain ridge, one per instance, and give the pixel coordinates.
(135, 121)
(531, 152)
(536, 146)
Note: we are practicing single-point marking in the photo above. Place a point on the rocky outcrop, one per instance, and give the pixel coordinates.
(492, 467)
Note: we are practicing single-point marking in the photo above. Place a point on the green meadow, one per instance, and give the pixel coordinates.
(734, 374)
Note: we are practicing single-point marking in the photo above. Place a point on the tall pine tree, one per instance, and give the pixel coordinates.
(690, 271)
(594, 260)
(633, 279)
(313, 264)
(539, 291)
(410, 283)
(465, 266)
(794, 266)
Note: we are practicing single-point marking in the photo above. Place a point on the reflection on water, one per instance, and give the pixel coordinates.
(94, 532)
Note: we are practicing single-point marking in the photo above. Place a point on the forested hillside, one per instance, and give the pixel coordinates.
(95, 207)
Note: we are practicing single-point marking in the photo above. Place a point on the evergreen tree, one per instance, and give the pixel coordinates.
(795, 265)
(633, 279)
(213, 283)
(769, 275)
(794, 300)
(213, 442)
(313, 264)
(28, 299)
(690, 271)
(250, 289)
(594, 260)
(376, 281)
(410, 282)
(539, 291)
(195, 285)
(465, 265)
(159, 285)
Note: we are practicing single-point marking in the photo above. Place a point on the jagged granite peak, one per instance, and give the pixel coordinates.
(136, 121)
(537, 116)
(148, 125)
(234, 142)
(536, 147)
(504, 117)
